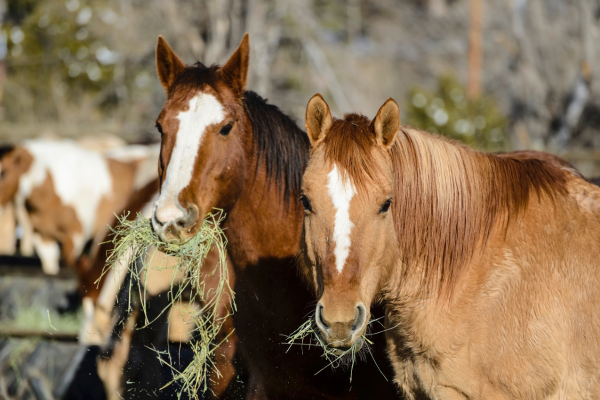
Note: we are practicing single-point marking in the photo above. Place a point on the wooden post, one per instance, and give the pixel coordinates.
(474, 78)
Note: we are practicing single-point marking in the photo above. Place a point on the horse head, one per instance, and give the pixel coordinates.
(347, 193)
(204, 140)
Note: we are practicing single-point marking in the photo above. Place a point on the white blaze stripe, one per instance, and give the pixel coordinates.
(204, 110)
(341, 192)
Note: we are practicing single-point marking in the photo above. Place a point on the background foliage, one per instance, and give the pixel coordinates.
(477, 122)
(75, 67)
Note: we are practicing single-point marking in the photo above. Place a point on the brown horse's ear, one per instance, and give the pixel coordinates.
(318, 119)
(21, 159)
(387, 123)
(168, 65)
(235, 71)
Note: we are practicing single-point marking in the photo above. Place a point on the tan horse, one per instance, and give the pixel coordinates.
(487, 265)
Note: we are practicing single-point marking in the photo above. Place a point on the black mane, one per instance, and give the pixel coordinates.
(279, 142)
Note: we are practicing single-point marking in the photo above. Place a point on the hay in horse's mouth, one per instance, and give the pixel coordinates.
(136, 242)
(342, 350)
(336, 356)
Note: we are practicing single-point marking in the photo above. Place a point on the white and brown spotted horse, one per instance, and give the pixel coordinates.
(65, 195)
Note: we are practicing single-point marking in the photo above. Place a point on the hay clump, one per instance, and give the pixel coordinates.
(135, 247)
(308, 335)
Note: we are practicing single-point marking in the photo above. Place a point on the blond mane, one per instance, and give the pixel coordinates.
(348, 144)
(449, 198)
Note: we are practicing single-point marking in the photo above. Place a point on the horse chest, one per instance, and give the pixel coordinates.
(422, 377)
(435, 371)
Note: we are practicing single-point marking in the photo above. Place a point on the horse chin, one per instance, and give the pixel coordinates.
(339, 351)
(358, 344)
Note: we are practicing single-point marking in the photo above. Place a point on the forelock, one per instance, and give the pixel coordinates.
(195, 78)
(350, 143)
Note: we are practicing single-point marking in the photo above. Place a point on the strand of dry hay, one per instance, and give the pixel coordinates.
(309, 331)
(135, 247)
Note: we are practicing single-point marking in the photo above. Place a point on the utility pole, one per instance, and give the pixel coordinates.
(474, 77)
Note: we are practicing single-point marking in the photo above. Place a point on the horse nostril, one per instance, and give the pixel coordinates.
(158, 222)
(320, 316)
(361, 316)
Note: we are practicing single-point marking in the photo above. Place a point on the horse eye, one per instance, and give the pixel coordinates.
(385, 207)
(226, 129)
(305, 203)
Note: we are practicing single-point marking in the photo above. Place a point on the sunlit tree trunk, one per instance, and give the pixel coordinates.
(474, 80)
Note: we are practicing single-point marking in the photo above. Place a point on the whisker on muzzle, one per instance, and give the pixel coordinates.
(336, 357)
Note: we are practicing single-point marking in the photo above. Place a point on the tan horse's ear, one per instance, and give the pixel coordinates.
(387, 123)
(168, 65)
(235, 71)
(318, 119)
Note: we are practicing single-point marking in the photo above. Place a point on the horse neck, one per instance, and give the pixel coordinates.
(427, 322)
(457, 207)
(262, 224)
(452, 197)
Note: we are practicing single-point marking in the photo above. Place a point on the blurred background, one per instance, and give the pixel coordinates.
(499, 75)
(502, 74)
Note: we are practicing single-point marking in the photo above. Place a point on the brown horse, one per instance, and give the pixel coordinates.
(487, 265)
(224, 147)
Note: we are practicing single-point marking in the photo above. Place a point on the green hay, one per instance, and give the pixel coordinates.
(136, 241)
(308, 335)
(35, 318)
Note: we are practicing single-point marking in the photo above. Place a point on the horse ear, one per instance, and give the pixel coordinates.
(235, 71)
(21, 159)
(168, 65)
(387, 123)
(318, 119)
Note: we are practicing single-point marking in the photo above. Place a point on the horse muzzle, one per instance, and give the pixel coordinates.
(341, 336)
(175, 226)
